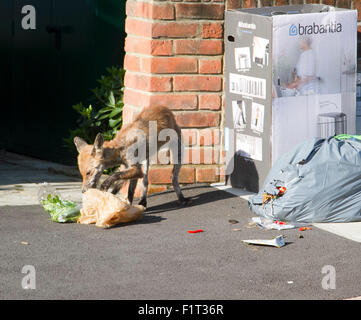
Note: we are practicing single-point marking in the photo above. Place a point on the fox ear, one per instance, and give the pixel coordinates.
(98, 144)
(79, 143)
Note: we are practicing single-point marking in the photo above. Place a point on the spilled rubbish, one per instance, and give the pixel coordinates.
(60, 210)
(269, 224)
(106, 210)
(277, 242)
(195, 231)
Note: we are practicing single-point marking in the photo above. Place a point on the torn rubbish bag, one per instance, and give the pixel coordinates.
(321, 180)
(106, 210)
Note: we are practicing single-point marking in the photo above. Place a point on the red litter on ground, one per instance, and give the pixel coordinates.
(304, 228)
(195, 231)
(282, 189)
(280, 222)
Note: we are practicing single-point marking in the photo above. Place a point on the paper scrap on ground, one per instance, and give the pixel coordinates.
(269, 224)
(276, 242)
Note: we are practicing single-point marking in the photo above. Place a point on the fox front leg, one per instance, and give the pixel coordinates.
(134, 172)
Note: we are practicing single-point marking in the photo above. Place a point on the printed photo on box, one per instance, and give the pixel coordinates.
(242, 58)
(260, 51)
(239, 115)
(314, 78)
(249, 146)
(257, 117)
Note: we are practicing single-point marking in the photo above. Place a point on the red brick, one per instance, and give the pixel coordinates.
(357, 6)
(208, 137)
(206, 47)
(189, 137)
(148, 46)
(170, 100)
(163, 175)
(201, 156)
(169, 65)
(197, 119)
(147, 83)
(207, 174)
(209, 101)
(138, 27)
(160, 175)
(234, 4)
(197, 83)
(281, 2)
(156, 189)
(266, 3)
(175, 101)
(221, 172)
(174, 30)
(210, 66)
(186, 175)
(212, 30)
(199, 11)
(249, 4)
(139, 190)
(150, 10)
(343, 3)
(131, 63)
(329, 2)
(136, 98)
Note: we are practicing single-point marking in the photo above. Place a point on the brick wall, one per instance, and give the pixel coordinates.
(174, 57)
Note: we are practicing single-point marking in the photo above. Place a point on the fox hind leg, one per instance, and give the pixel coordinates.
(143, 199)
(178, 153)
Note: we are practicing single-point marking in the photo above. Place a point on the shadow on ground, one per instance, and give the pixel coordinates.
(196, 200)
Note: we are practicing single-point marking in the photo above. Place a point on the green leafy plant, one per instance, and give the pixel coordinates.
(104, 111)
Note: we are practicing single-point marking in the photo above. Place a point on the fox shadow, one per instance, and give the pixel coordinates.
(196, 200)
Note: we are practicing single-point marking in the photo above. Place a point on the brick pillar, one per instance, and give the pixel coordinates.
(174, 57)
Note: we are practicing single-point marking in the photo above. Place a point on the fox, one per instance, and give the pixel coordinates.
(94, 159)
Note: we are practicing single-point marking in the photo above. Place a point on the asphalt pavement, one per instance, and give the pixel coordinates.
(155, 258)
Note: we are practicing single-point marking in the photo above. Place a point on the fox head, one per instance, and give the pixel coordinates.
(90, 161)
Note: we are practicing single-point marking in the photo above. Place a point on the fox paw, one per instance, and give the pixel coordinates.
(143, 203)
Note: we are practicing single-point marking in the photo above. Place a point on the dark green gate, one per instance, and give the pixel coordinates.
(47, 70)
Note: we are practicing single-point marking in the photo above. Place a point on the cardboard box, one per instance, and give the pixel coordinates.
(290, 75)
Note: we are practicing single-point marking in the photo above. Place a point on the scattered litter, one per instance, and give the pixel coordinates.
(276, 242)
(269, 224)
(300, 236)
(304, 228)
(59, 210)
(239, 229)
(290, 282)
(195, 231)
(251, 225)
(106, 210)
(24, 243)
(233, 221)
(339, 195)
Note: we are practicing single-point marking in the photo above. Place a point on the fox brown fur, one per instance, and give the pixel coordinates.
(94, 159)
